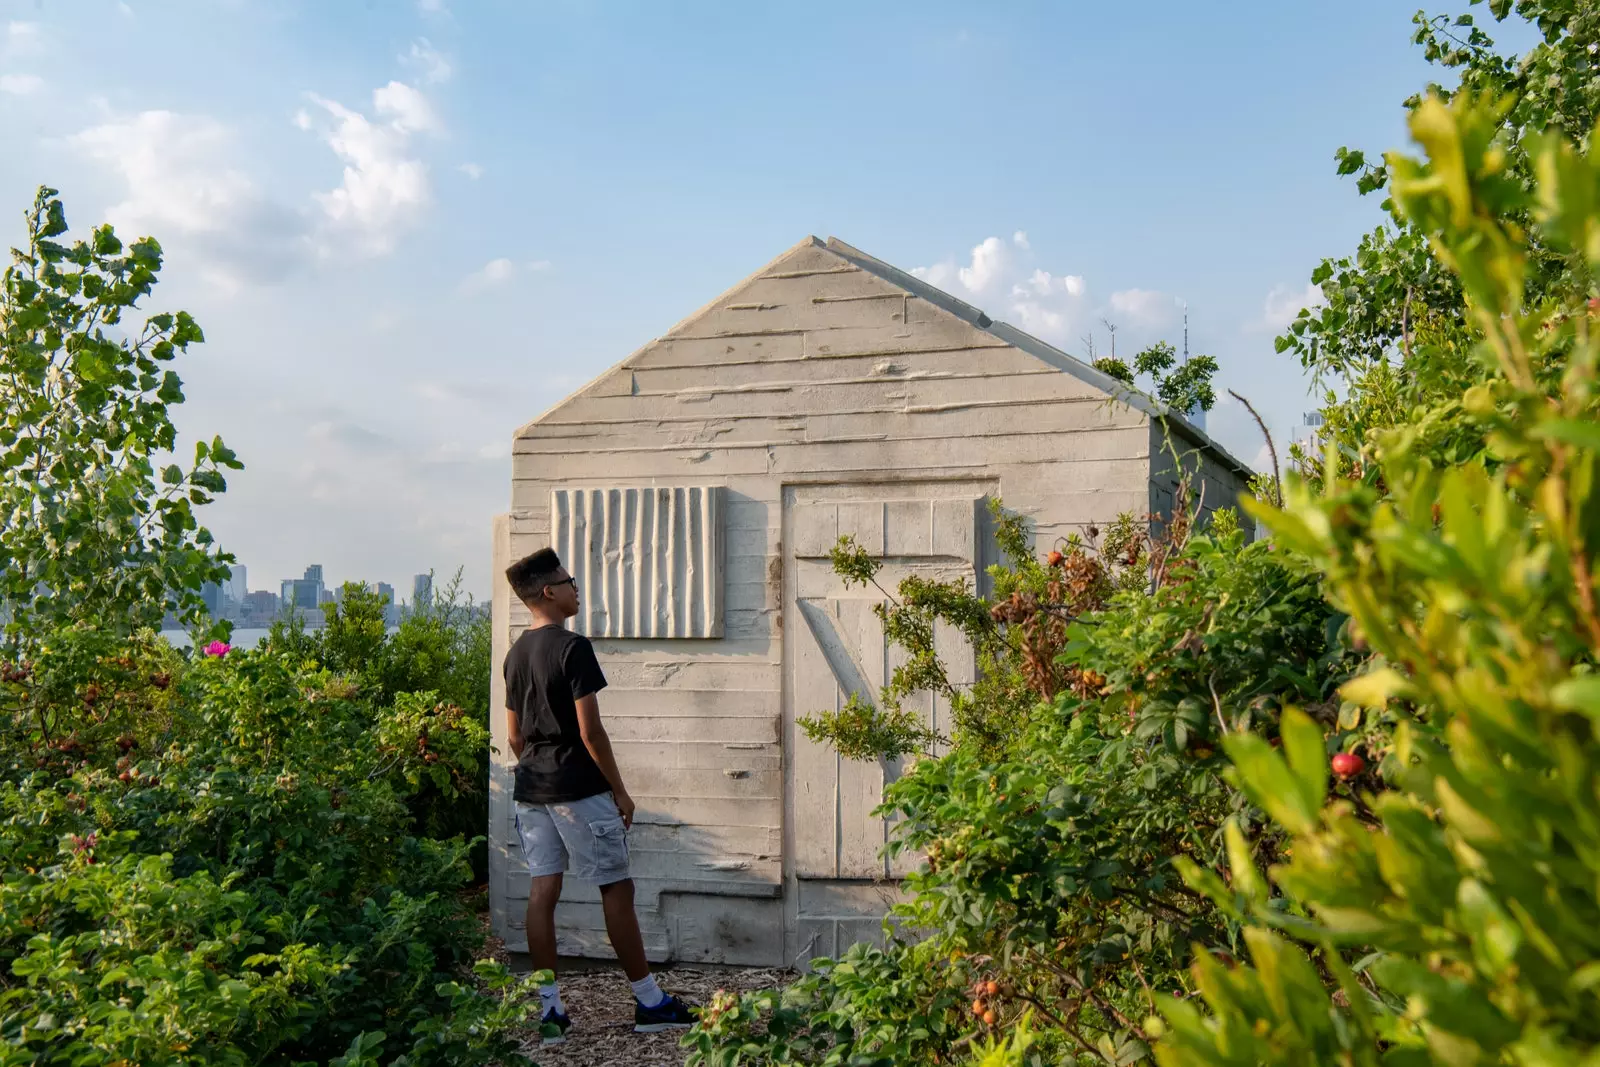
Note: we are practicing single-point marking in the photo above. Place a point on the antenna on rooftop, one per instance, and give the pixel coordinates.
(1186, 331)
(1111, 328)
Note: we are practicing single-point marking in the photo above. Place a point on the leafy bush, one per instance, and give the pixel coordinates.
(437, 663)
(1050, 835)
(84, 410)
(222, 857)
(1443, 909)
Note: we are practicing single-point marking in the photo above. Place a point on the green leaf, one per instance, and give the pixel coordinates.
(1306, 749)
(1583, 434)
(1376, 688)
(1269, 783)
(1246, 878)
(1580, 693)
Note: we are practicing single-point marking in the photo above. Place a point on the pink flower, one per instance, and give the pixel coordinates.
(217, 648)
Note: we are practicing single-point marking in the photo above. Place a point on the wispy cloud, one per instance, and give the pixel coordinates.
(1003, 276)
(385, 187)
(498, 272)
(1144, 309)
(21, 39)
(181, 184)
(1282, 306)
(471, 170)
(433, 67)
(20, 84)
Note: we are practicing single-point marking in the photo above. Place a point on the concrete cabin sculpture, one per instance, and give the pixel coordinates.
(695, 490)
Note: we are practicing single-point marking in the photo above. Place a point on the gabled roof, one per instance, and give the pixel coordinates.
(1004, 332)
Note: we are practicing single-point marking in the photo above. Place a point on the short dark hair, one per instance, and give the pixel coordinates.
(530, 574)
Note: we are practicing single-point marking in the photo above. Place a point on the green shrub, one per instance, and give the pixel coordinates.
(1050, 857)
(1441, 906)
(222, 857)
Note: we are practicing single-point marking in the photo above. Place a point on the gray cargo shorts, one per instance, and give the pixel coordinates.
(589, 831)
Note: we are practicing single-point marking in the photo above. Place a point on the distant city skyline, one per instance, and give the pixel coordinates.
(234, 600)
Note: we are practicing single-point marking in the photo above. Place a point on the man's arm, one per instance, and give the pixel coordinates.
(514, 732)
(598, 743)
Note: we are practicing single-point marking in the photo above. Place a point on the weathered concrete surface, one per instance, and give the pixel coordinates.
(826, 394)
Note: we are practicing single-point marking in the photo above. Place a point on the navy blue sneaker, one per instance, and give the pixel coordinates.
(554, 1027)
(670, 1014)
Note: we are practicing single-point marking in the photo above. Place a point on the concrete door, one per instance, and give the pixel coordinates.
(834, 646)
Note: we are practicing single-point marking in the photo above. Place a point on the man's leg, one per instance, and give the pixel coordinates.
(622, 927)
(543, 892)
(546, 857)
(593, 832)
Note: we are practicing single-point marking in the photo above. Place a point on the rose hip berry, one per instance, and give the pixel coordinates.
(1347, 764)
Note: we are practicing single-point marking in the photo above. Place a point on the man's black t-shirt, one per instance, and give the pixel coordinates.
(548, 671)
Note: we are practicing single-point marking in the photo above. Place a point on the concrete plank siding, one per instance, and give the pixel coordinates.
(826, 393)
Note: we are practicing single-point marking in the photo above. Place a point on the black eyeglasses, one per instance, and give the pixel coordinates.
(562, 581)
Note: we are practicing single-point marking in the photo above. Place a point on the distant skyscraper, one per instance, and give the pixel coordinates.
(386, 592)
(308, 593)
(211, 593)
(259, 610)
(421, 590)
(238, 583)
(302, 593)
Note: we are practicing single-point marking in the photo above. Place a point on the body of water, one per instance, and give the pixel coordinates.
(240, 638)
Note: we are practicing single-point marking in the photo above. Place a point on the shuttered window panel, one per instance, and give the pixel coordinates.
(648, 560)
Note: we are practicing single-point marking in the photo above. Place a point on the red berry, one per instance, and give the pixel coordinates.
(1347, 764)
(1054, 559)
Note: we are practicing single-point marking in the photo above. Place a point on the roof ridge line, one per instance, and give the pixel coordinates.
(1027, 342)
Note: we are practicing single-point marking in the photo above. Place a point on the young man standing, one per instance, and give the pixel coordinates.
(570, 802)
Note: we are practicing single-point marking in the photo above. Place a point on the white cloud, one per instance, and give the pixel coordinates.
(20, 84)
(432, 7)
(1283, 305)
(181, 188)
(989, 260)
(433, 67)
(1039, 301)
(1001, 275)
(471, 170)
(408, 110)
(1144, 308)
(22, 39)
(491, 273)
(385, 187)
(499, 271)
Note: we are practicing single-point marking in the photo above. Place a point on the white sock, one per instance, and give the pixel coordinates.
(646, 992)
(550, 1000)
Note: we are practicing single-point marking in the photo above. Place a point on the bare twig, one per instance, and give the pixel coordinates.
(1277, 479)
(1216, 702)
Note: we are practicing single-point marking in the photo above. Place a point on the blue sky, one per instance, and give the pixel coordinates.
(409, 227)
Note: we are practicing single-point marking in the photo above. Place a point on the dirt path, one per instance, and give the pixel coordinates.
(601, 1006)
